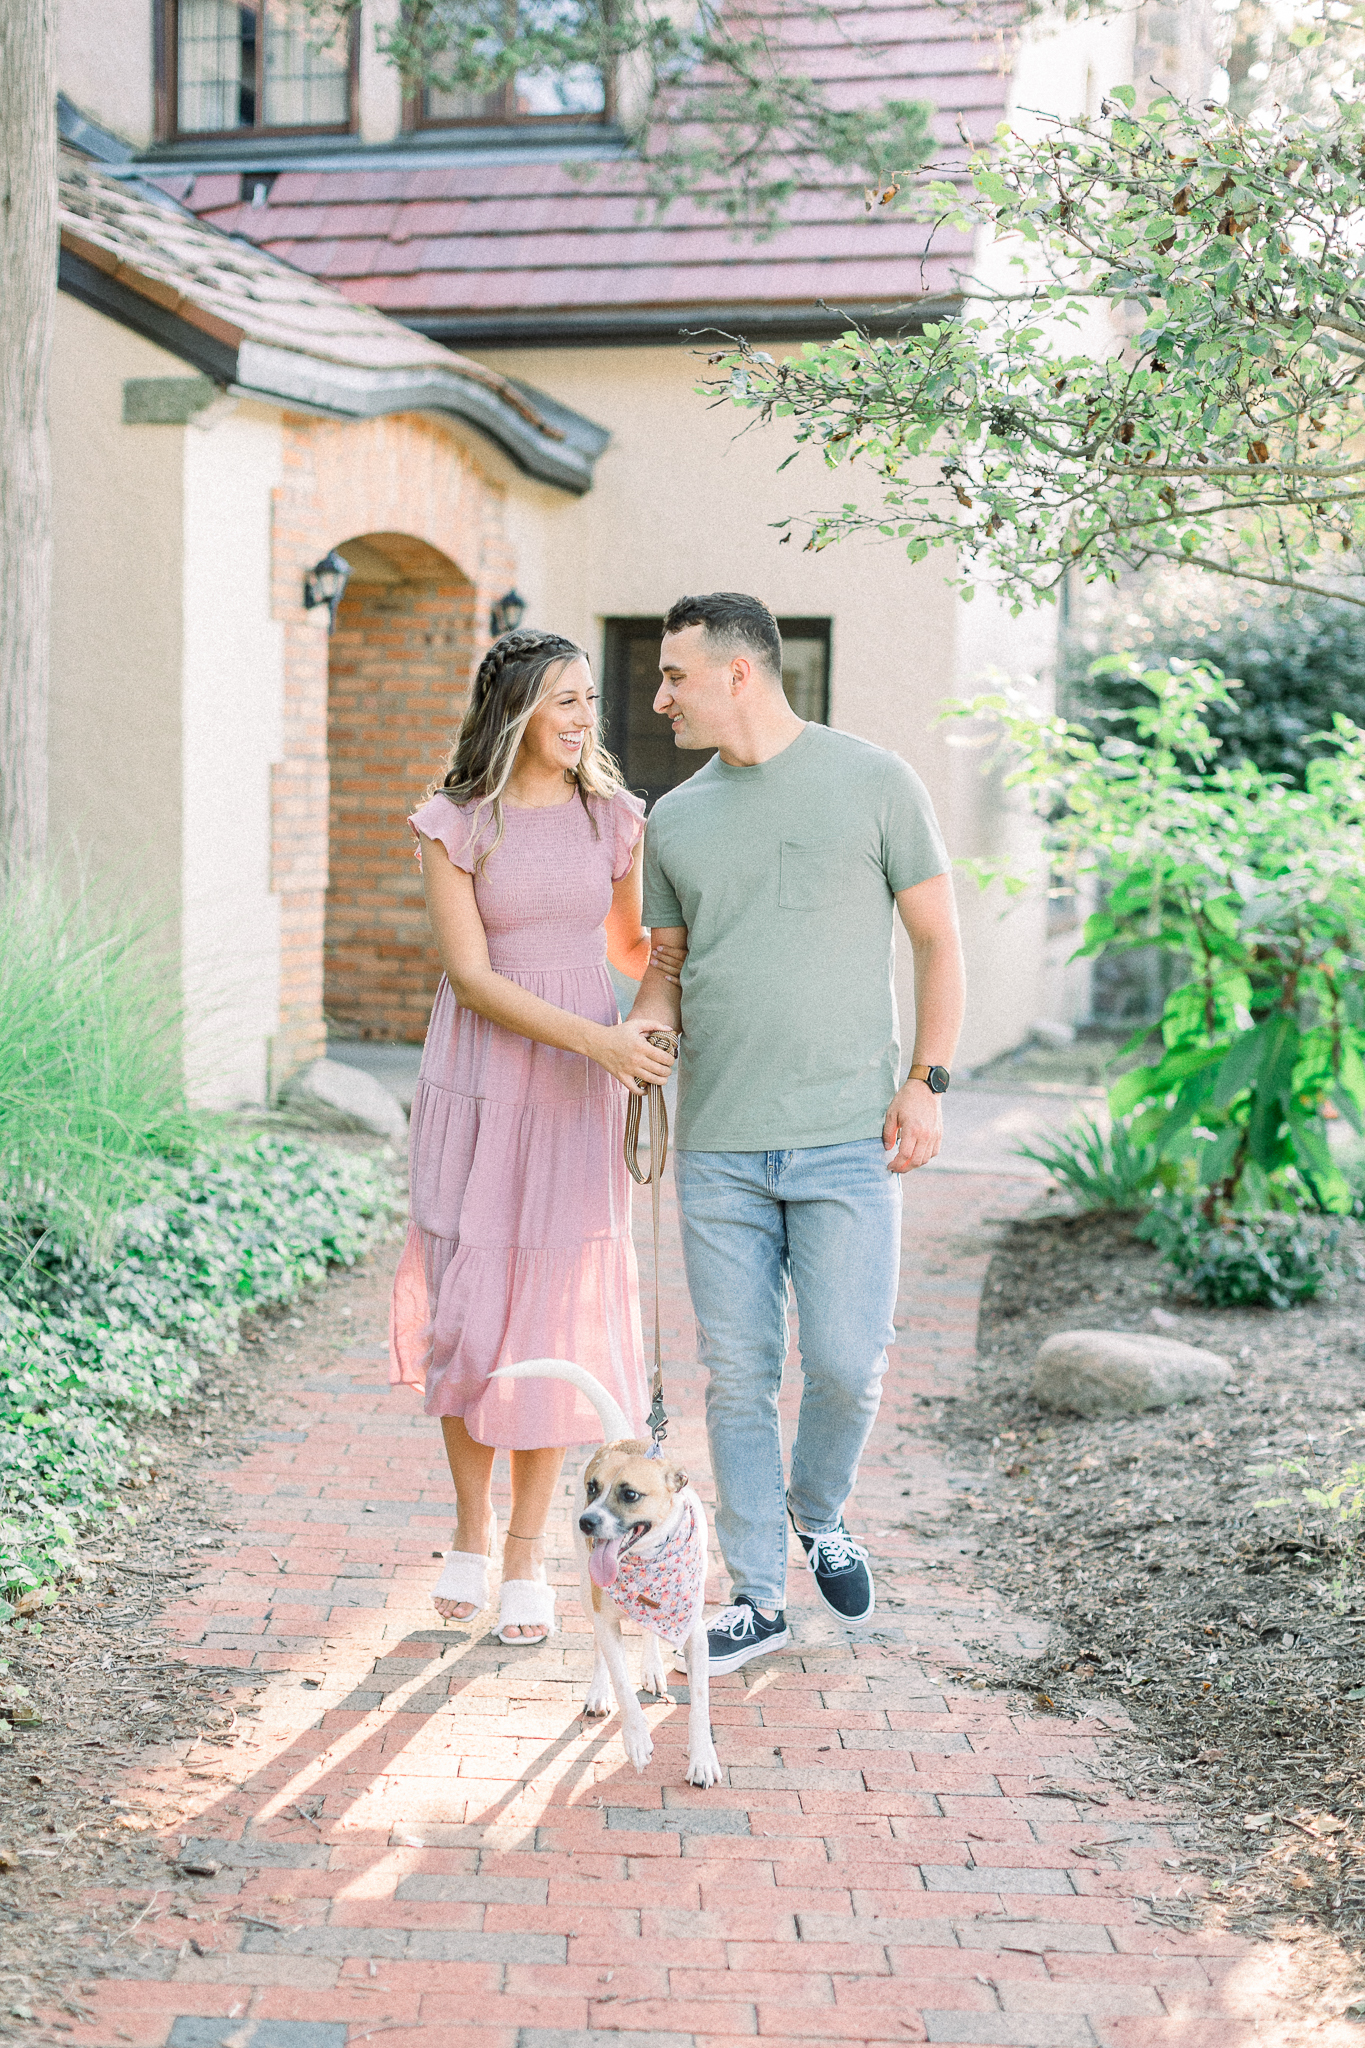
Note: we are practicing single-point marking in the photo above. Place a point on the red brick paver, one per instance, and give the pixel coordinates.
(420, 1842)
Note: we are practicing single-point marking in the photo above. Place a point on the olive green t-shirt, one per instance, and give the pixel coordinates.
(785, 876)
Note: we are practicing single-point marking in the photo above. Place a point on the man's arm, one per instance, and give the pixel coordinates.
(659, 1001)
(914, 1122)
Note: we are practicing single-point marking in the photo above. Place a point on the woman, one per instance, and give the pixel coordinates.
(519, 1244)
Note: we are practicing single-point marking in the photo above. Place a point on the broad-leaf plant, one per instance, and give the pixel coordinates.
(1258, 888)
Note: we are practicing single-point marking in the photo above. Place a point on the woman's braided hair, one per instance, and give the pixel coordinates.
(514, 676)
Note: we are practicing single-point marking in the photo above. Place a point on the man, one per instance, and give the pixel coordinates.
(779, 865)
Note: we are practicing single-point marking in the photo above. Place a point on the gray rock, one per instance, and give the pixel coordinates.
(1122, 1372)
(348, 1099)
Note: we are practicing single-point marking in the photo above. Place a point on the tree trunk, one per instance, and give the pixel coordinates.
(28, 301)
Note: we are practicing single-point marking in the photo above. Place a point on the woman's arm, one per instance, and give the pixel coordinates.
(627, 939)
(628, 943)
(622, 1049)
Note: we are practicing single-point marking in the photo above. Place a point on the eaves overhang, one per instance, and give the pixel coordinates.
(562, 452)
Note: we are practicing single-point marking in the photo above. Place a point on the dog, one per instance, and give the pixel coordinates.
(641, 1541)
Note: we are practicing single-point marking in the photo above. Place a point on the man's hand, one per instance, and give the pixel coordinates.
(914, 1125)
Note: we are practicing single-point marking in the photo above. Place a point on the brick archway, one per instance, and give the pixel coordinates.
(398, 681)
(414, 490)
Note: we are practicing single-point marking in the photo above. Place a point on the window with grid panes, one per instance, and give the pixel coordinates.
(236, 69)
(642, 741)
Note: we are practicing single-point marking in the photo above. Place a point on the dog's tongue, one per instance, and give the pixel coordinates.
(603, 1559)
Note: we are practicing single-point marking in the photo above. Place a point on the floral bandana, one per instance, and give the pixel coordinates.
(663, 1591)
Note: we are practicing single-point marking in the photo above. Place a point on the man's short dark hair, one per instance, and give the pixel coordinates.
(732, 620)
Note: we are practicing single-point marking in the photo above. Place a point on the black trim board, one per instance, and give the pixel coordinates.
(627, 326)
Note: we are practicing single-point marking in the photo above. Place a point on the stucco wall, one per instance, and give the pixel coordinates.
(105, 63)
(683, 503)
(114, 748)
(233, 685)
(167, 676)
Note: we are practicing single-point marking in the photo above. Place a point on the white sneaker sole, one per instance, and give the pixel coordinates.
(741, 1654)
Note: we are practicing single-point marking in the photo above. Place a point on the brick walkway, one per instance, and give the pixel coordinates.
(420, 1844)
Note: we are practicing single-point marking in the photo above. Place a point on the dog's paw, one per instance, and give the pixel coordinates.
(704, 1768)
(599, 1702)
(652, 1676)
(639, 1742)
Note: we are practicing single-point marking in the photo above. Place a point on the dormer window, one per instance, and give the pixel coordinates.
(231, 69)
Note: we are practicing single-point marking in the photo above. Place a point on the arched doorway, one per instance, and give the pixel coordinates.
(399, 669)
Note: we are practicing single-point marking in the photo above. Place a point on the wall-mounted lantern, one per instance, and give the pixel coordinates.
(507, 614)
(325, 583)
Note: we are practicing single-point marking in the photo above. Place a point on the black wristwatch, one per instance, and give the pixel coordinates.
(936, 1079)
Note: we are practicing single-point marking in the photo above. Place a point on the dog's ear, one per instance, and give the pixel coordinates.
(675, 1479)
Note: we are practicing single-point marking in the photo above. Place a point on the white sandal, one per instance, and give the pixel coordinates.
(464, 1576)
(525, 1603)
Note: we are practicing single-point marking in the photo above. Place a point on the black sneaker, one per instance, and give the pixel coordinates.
(739, 1633)
(842, 1578)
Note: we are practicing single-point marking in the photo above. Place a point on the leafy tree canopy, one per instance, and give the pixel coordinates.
(1168, 369)
(714, 105)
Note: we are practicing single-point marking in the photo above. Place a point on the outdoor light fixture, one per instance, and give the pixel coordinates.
(325, 583)
(507, 614)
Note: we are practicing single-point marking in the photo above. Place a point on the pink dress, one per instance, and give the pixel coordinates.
(519, 1243)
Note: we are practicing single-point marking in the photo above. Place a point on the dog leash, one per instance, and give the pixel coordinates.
(653, 1180)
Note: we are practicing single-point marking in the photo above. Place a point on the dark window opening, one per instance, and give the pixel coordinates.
(270, 68)
(642, 741)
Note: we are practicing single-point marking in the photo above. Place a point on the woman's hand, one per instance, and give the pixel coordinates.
(625, 1052)
(668, 960)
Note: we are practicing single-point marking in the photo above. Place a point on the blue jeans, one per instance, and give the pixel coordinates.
(827, 1219)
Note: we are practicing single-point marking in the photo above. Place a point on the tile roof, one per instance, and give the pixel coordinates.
(253, 320)
(451, 238)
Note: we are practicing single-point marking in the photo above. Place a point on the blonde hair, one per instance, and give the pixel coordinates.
(514, 678)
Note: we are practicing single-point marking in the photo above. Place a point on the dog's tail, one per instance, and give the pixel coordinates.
(613, 1418)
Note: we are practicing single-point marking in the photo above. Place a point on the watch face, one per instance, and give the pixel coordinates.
(939, 1078)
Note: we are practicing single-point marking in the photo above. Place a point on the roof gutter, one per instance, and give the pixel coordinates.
(354, 394)
(622, 326)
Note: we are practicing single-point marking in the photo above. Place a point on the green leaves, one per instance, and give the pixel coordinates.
(1255, 889)
(1273, 1262)
(91, 1341)
(1224, 432)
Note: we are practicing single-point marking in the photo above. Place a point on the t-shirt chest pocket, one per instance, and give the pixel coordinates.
(815, 877)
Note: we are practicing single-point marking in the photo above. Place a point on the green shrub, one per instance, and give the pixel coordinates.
(90, 1065)
(1298, 663)
(1100, 1169)
(1271, 1261)
(94, 1340)
(1256, 891)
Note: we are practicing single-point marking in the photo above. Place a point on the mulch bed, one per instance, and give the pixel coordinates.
(1232, 1633)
